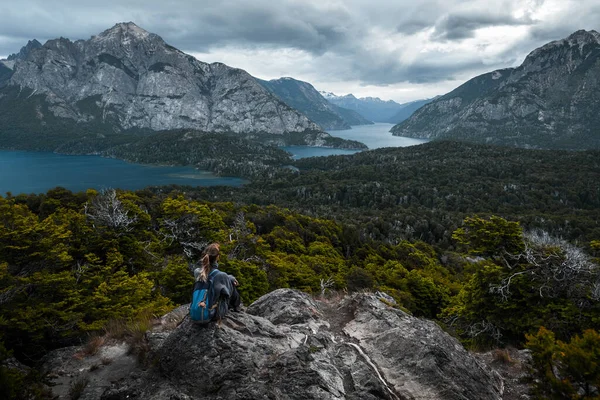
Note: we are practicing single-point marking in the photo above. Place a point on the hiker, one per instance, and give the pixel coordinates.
(224, 286)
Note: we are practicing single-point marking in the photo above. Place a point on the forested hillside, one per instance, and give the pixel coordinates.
(424, 192)
(496, 244)
(78, 264)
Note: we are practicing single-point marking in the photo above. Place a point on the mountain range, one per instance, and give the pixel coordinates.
(303, 97)
(372, 108)
(126, 78)
(129, 80)
(550, 101)
(376, 109)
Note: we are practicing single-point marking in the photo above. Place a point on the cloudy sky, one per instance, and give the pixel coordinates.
(394, 49)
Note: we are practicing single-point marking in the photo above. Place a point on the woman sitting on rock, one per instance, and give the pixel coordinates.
(224, 286)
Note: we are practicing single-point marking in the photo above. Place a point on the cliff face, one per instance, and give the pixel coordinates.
(129, 78)
(288, 346)
(550, 101)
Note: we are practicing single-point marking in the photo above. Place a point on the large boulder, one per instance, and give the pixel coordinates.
(290, 346)
(417, 358)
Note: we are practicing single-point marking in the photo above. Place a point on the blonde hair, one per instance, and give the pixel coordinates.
(211, 254)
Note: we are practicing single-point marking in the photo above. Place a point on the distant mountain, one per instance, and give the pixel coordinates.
(408, 109)
(372, 108)
(127, 78)
(25, 50)
(351, 116)
(552, 100)
(303, 97)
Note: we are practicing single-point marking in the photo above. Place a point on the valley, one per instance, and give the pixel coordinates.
(357, 227)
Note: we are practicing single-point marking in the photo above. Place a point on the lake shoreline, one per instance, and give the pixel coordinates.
(162, 173)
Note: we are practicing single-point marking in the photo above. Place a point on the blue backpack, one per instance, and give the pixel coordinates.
(201, 309)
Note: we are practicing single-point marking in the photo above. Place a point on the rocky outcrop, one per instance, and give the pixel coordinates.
(550, 101)
(129, 78)
(303, 97)
(289, 346)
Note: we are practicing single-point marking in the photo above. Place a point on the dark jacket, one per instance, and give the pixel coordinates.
(223, 289)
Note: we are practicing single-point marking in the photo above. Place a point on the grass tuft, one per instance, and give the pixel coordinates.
(77, 387)
(502, 356)
(93, 345)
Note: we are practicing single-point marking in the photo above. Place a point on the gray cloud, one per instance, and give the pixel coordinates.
(372, 42)
(463, 25)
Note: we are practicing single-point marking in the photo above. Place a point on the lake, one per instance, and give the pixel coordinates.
(374, 136)
(37, 172)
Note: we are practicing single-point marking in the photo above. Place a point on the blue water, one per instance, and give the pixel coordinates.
(37, 172)
(374, 136)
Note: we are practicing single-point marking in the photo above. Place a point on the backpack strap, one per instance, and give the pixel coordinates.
(212, 274)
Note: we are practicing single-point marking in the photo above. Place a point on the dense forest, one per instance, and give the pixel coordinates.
(72, 264)
(424, 192)
(497, 245)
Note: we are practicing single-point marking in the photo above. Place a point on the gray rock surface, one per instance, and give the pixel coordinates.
(551, 101)
(289, 346)
(130, 78)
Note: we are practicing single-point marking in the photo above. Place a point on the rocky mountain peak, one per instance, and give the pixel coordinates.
(126, 77)
(327, 95)
(374, 99)
(579, 43)
(25, 50)
(123, 30)
(549, 101)
(584, 36)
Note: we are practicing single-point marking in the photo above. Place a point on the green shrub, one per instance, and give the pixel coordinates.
(565, 370)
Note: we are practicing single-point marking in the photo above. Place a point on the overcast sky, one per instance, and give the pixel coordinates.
(394, 49)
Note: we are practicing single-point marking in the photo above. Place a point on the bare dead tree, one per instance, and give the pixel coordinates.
(8, 294)
(484, 327)
(238, 235)
(326, 284)
(184, 231)
(555, 267)
(240, 227)
(79, 269)
(106, 209)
